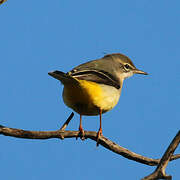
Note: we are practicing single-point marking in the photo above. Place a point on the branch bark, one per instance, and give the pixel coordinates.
(2, 1)
(160, 173)
(61, 134)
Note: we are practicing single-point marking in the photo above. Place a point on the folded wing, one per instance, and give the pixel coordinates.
(95, 75)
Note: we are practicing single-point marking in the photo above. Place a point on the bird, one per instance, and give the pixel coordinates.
(94, 87)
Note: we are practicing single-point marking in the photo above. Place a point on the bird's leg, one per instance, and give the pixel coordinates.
(81, 130)
(99, 133)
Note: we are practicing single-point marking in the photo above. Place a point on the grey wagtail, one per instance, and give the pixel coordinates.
(94, 87)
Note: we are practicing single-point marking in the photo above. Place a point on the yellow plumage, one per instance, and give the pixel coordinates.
(86, 97)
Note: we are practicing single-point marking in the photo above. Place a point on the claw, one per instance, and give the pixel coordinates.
(81, 130)
(99, 134)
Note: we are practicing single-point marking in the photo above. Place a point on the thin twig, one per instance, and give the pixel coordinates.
(2, 1)
(19, 133)
(160, 173)
(67, 122)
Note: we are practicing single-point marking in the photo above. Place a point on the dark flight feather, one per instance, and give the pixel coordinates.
(98, 76)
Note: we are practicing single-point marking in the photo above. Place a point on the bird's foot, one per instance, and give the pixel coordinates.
(81, 133)
(99, 134)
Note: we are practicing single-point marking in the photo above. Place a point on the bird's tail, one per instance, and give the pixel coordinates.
(63, 77)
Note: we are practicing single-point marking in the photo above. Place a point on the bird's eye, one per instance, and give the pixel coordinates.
(127, 66)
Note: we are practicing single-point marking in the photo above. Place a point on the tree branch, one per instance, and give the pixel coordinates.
(2, 1)
(67, 122)
(19, 133)
(160, 173)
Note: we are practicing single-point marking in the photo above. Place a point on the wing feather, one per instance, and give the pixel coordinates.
(95, 75)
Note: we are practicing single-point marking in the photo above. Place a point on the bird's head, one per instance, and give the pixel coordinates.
(123, 66)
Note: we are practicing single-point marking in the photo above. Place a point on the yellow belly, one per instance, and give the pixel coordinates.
(87, 98)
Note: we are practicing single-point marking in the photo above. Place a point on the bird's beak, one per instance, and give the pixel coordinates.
(137, 71)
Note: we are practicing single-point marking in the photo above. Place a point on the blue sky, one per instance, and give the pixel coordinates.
(41, 36)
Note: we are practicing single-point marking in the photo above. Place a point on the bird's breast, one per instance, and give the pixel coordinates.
(87, 98)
